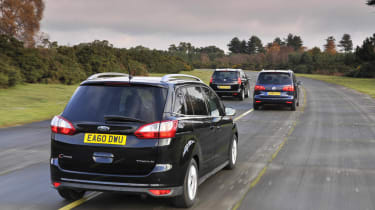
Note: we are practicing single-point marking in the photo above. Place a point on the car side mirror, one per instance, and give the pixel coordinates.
(299, 82)
(230, 111)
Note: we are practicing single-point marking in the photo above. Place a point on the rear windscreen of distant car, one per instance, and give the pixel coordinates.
(229, 75)
(274, 79)
(92, 103)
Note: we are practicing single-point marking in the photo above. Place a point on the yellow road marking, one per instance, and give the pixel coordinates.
(80, 201)
(93, 195)
(274, 155)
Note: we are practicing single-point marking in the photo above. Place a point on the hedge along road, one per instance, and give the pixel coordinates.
(276, 147)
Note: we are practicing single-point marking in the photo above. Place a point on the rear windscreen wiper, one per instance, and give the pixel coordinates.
(122, 118)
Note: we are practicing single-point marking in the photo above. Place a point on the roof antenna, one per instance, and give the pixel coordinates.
(127, 63)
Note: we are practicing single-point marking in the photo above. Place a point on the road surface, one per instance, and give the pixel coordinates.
(320, 157)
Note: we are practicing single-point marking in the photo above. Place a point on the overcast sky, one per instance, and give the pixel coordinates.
(159, 23)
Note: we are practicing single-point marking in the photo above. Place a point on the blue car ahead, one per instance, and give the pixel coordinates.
(276, 87)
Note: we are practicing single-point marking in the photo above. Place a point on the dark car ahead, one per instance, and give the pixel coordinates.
(145, 135)
(230, 82)
(276, 87)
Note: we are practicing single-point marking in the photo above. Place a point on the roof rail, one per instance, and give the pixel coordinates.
(107, 74)
(170, 77)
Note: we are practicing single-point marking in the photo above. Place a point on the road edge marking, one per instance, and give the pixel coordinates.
(80, 201)
(243, 115)
(273, 156)
(95, 194)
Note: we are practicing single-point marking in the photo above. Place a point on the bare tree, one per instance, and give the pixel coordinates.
(21, 19)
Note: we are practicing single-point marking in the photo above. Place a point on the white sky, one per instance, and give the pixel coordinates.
(159, 23)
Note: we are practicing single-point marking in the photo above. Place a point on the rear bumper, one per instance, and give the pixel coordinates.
(263, 100)
(160, 179)
(115, 187)
(228, 92)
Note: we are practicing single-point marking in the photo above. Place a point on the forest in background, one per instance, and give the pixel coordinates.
(27, 55)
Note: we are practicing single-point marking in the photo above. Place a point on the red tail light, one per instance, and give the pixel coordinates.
(160, 192)
(211, 80)
(239, 81)
(163, 129)
(62, 125)
(56, 184)
(259, 88)
(288, 88)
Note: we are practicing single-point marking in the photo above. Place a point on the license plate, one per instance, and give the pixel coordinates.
(224, 87)
(99, 138)
(273, 93)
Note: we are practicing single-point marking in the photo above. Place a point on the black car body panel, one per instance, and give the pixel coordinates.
(204, 133)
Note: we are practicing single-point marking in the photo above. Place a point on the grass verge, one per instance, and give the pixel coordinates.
(363, 85)
(35, 102)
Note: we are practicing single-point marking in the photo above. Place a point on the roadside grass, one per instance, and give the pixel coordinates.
(32, 102)
(36, 102)
(203, 74)
(363, 85)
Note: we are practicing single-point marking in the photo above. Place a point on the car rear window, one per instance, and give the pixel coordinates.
(229, 75)
(92, 103)
(274, 79)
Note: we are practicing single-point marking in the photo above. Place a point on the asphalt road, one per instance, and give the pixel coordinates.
(319, 157)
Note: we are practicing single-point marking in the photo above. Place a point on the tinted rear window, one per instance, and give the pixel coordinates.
(229, 75)
(91, 103)
(274, 79)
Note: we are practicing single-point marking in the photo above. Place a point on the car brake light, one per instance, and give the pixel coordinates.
(163, 129)
(259, 87)
(211, 80)
(56, 184)
(160, 192)
(288, 88)
(239, 81)
(62, 125)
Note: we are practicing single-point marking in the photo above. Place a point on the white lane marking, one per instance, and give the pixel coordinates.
(243, 115)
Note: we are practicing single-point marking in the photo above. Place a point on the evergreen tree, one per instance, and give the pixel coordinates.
(367, 51)
(235, 45)
(346, 43)
(243, 48)
(255, 46)
(294, 41)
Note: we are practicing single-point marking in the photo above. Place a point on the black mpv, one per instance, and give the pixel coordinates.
(230, 82)
(144, 135)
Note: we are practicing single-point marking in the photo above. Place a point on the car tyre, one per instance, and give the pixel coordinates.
(256, 106)
(190, 187)
(293, 106)
(70, 194)
(248, 93)
(233, 152)
(242, 95)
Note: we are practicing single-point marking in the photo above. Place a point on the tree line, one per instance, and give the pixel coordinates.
(26, 55)
(51, 63)
(288, 53)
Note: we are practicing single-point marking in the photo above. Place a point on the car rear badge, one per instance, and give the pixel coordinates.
(273, 88)
(103, 128)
